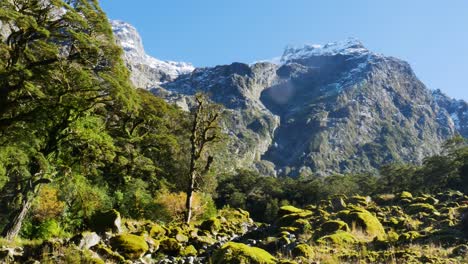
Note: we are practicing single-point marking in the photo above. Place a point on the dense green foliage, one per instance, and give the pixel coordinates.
(262, 196)
(70, 120)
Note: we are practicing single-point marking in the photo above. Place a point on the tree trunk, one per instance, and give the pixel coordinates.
(188, 202)
(12, 229)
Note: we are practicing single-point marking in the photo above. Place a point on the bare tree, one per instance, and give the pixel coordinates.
(205, 133)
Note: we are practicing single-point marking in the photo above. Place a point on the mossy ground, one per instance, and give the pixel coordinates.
(389, 229)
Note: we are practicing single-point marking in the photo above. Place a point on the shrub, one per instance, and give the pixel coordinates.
(173, 206)
(48, 229)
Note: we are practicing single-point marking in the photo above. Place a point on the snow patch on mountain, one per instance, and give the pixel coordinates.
(136, 57)
(348, 47)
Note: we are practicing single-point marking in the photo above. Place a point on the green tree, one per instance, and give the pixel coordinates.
(59, 67)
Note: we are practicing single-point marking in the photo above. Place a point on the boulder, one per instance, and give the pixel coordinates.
(170, 246)
(366, 222)
(190, 250)
(333, 226)
(238, 253)
(109, 255)
(303, 250)
(288, 209)
(157, 231)
(106, 221)
(460, 251)
(409, 236)
(420, 208)
(338, 203)
(406, 195)
(211, 225)
(87, 240)
(339, 238)
(360, 200)
(8, 255)
(130, 246)
(288, 220)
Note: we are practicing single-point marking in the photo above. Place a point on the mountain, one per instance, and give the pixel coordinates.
(321, 109)
(146, 70)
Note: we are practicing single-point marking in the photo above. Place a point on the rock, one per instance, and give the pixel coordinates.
(392, 236)
(339, 238)
(303, 250)
(360, 200)
(170, 246)
(420, 208)
(181, 238)
(333, 226)
(288, 209)
(189, 251)
(338, 204)
(212, 225)
(288, 220)
(106, 221)
(460, 251)
(8, 255)
(430, 200)
(409, 236)
(406, 195)
(130, 246)
(236, 253)
(204, 240)
(464, 221)
(302, 224)
(108, 254)
(384, 199)
(367, 222)
(88, 240)
(157, 231)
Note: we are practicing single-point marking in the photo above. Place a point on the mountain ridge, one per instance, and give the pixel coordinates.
(324, 109)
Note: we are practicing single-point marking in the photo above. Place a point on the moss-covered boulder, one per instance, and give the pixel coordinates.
(406, 195)
(102, 222)
(363, 220)
(333, 226)
(107, 253)
(420, 208)
(211, 225)
(302, 224)
(338, 203)
(238, 253)
(409, 236)
(339, 238)
(288, 220)
(157, 231)
(201, 241)
(360, 200)
(303, 250)
(288, 209)
(460, 251)
(384, 199)
(130, 246)
(170, 246)
(181, 238)
(189, 250)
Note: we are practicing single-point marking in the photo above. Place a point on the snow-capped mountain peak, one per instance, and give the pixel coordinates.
(350, 46)
(147, 71)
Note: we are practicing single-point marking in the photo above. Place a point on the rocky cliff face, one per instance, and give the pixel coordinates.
(323, 109)
(146, 70)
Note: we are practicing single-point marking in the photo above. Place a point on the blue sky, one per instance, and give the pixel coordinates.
(432, 35)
